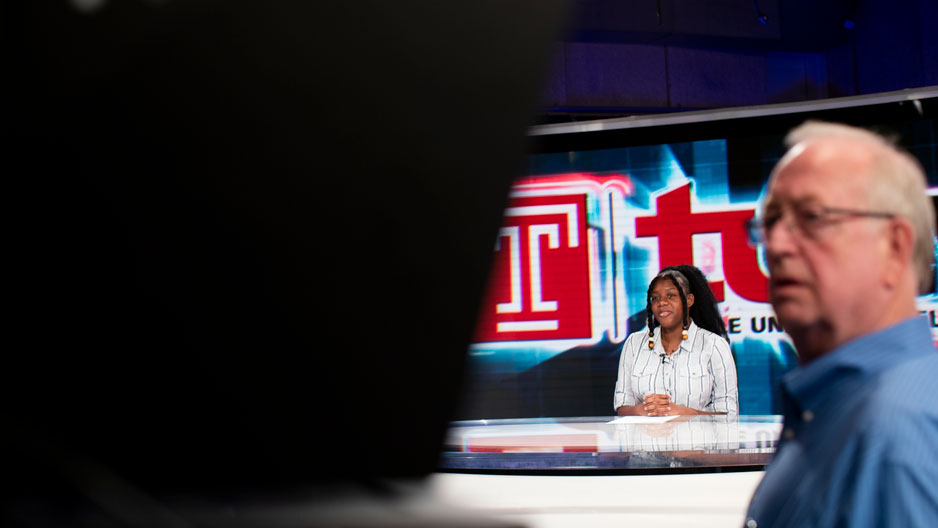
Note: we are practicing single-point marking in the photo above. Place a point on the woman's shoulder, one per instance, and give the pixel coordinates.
(710, 337)
(636, 338)
(706, 333)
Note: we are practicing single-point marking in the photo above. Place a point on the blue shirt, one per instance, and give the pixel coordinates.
(860, 442)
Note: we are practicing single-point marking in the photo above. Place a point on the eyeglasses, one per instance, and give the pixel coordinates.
(807, 219)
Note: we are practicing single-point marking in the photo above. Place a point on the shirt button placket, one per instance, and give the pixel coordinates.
(667, 377)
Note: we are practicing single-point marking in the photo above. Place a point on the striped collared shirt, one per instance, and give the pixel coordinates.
(700, 374)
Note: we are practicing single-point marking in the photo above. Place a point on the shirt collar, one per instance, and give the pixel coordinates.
(686, 344)
(866, 356)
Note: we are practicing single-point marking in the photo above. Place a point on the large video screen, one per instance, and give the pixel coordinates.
(599, 212)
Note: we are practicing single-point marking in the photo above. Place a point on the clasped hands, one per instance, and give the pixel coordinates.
(656, 405)
(660, 405)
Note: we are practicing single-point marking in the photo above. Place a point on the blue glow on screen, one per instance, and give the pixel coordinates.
(574, 375)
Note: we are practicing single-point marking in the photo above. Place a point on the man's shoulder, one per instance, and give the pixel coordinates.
(910, 384)
(900, 409)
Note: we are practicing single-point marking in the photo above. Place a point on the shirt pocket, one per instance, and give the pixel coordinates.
(643, 379)
(697, 383)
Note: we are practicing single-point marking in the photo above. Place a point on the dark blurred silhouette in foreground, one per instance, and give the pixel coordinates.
(248, 243)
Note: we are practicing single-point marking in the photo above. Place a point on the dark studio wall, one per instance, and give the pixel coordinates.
(626, 58)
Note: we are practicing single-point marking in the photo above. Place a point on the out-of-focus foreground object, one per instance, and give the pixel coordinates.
(244, 233)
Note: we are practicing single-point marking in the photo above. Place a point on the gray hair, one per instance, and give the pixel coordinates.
(898, 186)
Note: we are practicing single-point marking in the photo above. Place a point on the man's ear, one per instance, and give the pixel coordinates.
(900, 249)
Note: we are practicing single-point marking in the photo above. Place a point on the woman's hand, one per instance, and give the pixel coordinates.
(656, 405)
(680, 409)
(660, 405)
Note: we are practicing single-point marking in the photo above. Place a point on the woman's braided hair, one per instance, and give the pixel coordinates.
(688, 279)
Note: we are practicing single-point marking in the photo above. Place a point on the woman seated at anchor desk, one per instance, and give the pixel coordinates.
(681, 364)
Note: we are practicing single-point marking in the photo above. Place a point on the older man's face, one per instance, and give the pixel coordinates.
(821, 265)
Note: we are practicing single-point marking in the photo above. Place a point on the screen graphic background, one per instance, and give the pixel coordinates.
(637, 209)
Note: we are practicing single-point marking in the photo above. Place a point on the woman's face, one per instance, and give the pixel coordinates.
(666, 304)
